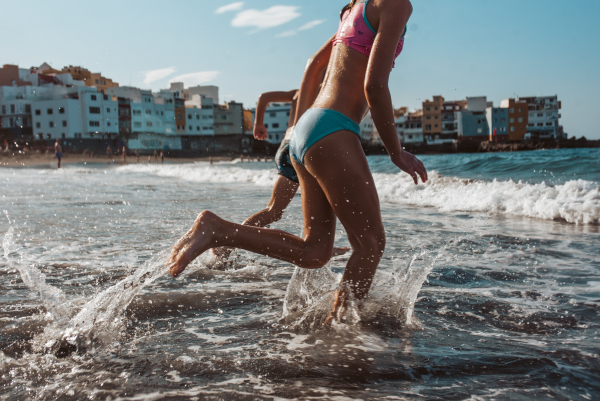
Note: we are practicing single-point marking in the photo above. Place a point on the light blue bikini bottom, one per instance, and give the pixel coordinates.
(315, 125)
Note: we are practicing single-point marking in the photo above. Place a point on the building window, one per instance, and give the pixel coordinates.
(137, 112)
(105, 97)
(108, 124)
(63, 136)
(12, 109)
(50, 111)
(93, 97)
(540, 115)
(51, 124)
(428, 127)
(27, 108)
(148, 111)
(428, 118)
(3, 109)
(549, 114)
(197, 116)
(94, 123)
(10, 122)
(48, 136)
(38, 125)
(549, 124)
(61, 110)
(137, 124)
(275, 125)
(179, 116)
(149, 124)
(266, 125)
(512, 129)
(479, 130)
(94, 110)
(189, 116)
(520, 120)
(272, 114)
(197, 128)
(223, 117)
(540, 124)
(428, 109)
(512, 110)
(503, 120)
(38, 112)
(512, 120)
(108, 109)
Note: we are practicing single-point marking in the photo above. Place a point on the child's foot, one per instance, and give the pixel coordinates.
(197, 240)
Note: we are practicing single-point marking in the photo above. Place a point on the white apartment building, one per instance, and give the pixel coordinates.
(543, 117)
(83, 114)
(368, 131)
(207, 91)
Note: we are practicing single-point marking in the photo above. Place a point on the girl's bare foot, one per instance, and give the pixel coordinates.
(340, 306)
(197, 240)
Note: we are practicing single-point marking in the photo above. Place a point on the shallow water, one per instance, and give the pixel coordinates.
(509, 311)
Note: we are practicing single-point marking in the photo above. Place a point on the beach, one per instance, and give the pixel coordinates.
(488, 288)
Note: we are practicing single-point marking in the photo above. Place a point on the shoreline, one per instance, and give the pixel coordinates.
(32, 159)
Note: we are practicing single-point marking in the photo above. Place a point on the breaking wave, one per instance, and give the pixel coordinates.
(574, 201)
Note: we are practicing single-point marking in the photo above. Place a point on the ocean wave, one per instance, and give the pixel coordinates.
(204, 172)
(575, 201)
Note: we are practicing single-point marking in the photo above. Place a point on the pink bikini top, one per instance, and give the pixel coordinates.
(355, 31)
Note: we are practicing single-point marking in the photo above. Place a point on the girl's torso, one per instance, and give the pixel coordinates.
(343, 85)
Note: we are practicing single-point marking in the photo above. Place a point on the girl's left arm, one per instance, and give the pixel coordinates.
(394, 15)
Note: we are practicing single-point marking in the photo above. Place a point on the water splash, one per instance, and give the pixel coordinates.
(309, 296)
(55, 301)
(100, 321)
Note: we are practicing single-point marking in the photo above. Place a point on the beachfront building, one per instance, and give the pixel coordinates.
(413, 128)
(147, 120)
(518, 117)
(89, 79)
(432, 119)
(79, 116)
(543, 117)
(206, 91)
(369, 135)
(472, 123)
(497, 120)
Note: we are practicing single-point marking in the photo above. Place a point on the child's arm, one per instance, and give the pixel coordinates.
(260, 132)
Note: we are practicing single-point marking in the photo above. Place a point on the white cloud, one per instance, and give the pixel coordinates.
(286, 33)
(311, 24)
(269, 18)
(308, 25)
(155, 75)
(230, 7)
(195, 78)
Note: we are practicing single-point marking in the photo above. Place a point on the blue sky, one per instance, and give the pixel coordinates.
(454, 48)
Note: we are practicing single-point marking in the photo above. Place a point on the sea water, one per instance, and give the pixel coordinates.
(489, 287)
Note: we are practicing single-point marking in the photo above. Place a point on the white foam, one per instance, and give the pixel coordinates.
(576, 201)
(203, 172)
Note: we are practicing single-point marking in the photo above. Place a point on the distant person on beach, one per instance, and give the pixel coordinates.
(162, 157)
(327, 156)
(124, 155)
(109, 152)
(286, 185)
(58, 151)
(155, 157)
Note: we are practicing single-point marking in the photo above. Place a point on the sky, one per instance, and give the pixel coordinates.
(453, 48)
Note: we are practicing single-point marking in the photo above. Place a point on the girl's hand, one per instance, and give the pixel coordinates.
(411, 165)
(260, 132)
